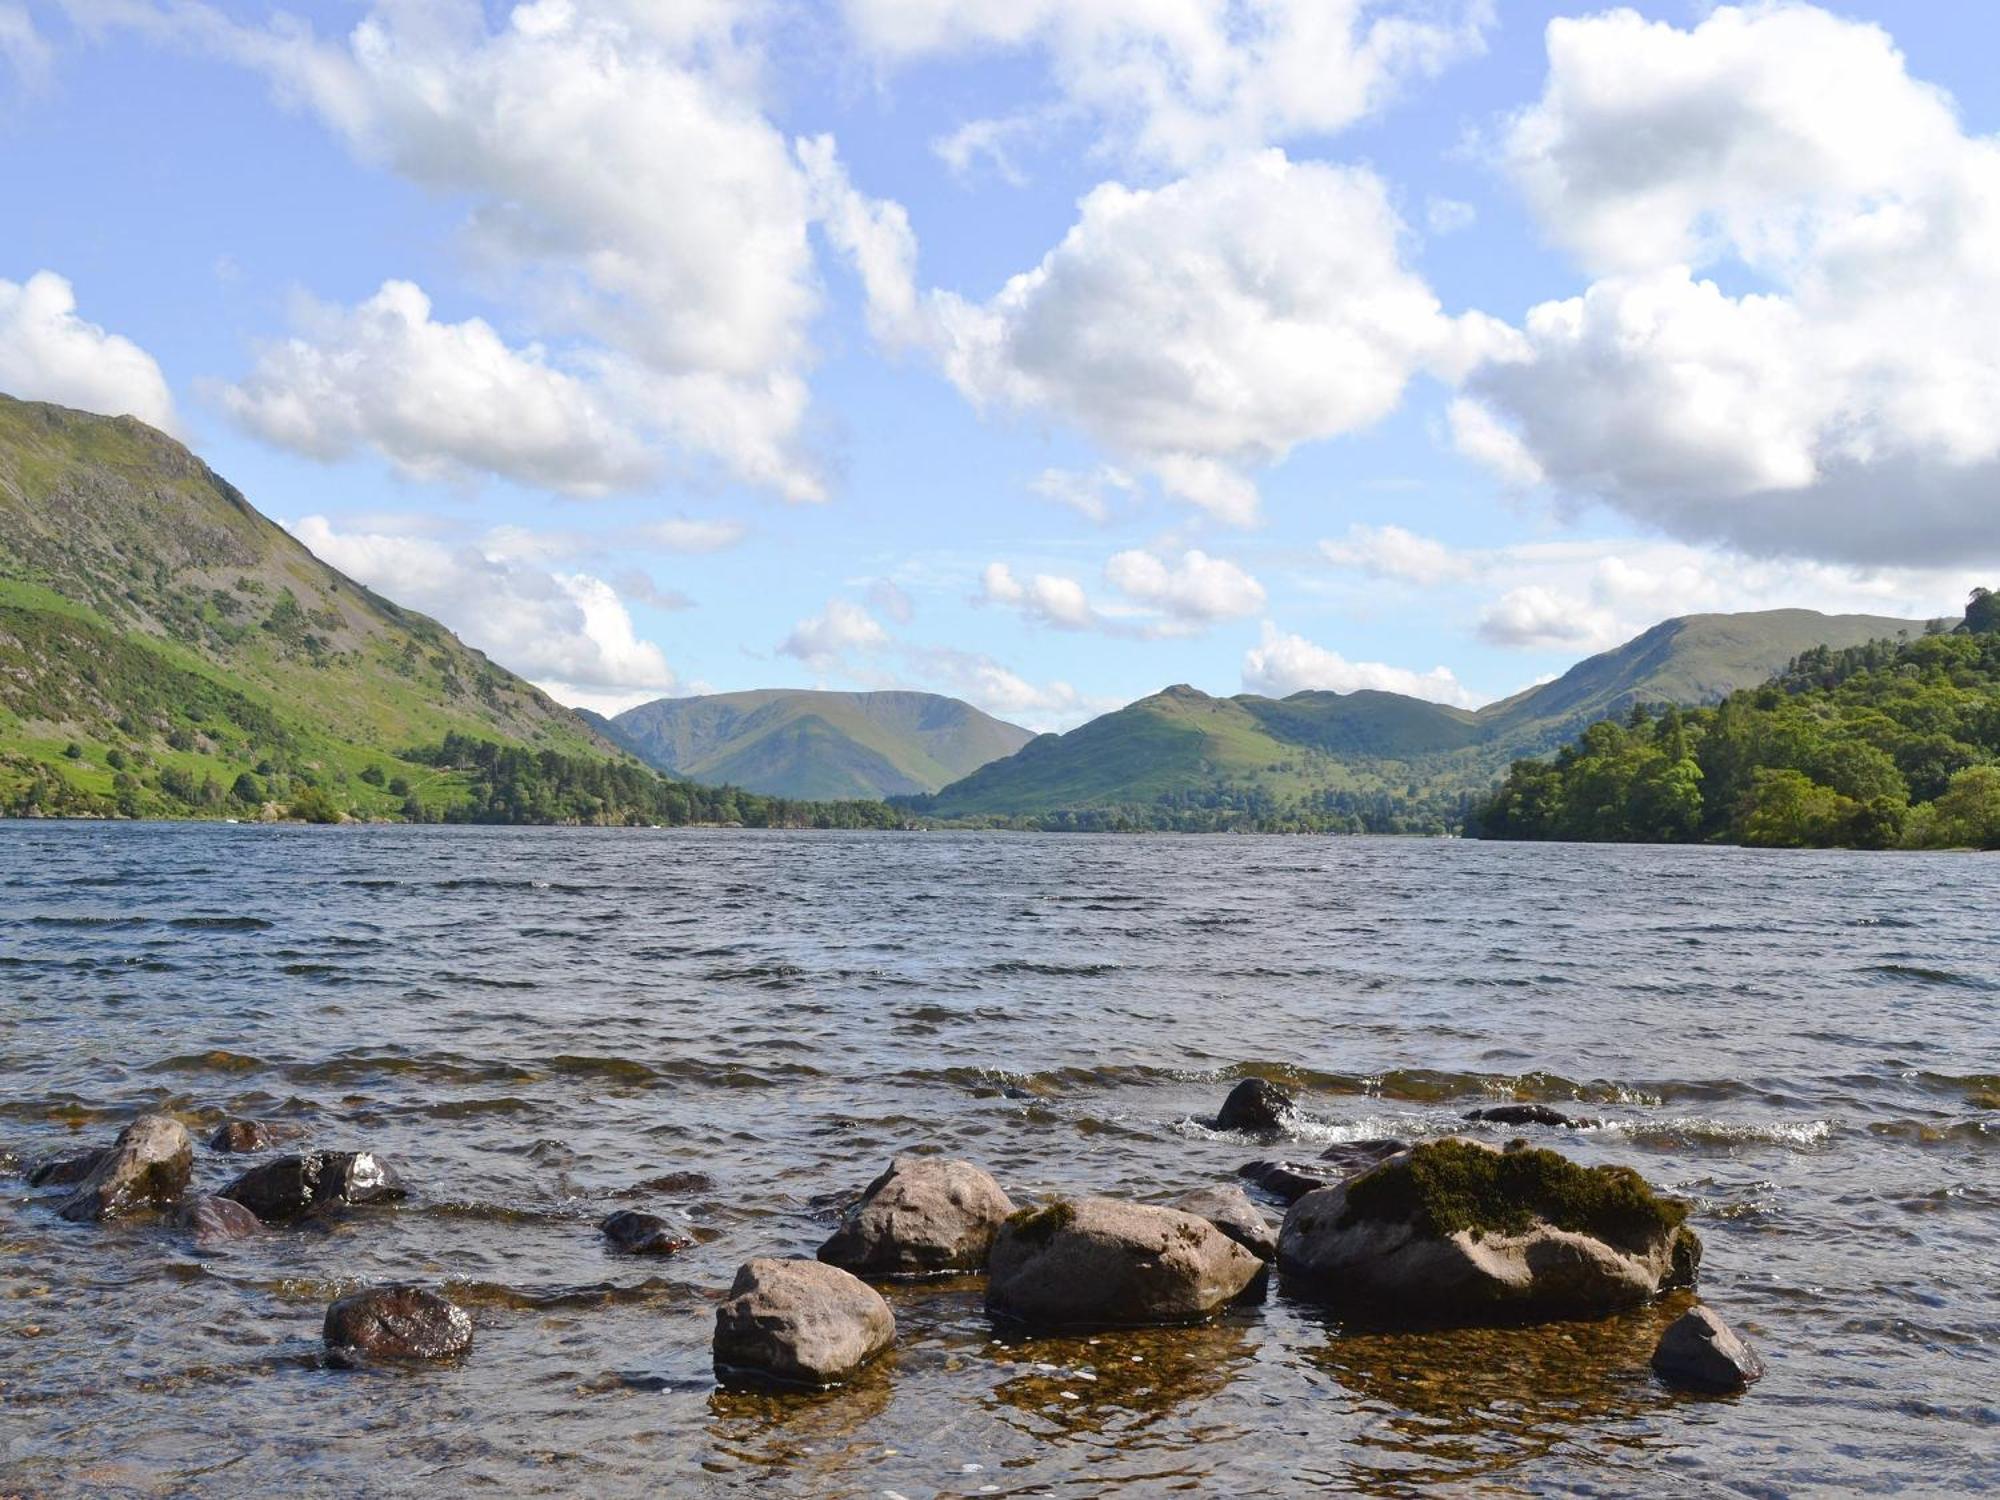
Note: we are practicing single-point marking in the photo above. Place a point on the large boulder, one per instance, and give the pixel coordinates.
(64, 1168)
(799, 1322)
(236, 1137)
(1229, 1209)
(1255, 1105)
(395, 1323)
(216, 1221)
(148, 1166)
(1700, 1352)
(1098, 1262)
(633, 1233)
(289, 1187)
(1455, 1231)
(922, 1217)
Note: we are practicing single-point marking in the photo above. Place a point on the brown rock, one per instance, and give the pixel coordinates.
(148, 1166)
(799, 1322)
(1099, 1262)
(923, 1216)
(395, 1323)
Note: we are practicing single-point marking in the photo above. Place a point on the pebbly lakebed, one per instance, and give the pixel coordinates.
(535, 1025)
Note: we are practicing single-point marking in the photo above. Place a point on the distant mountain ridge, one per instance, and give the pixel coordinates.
(814, 744)
(1370, 759)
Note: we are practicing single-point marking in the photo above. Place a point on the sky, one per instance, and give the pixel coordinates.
(1042, 354)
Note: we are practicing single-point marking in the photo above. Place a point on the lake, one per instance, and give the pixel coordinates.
(530, 1023)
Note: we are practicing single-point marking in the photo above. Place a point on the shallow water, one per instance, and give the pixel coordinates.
(531, 1023)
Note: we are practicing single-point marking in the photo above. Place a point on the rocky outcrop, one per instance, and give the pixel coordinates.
(799, 1322)
(923, 1217)
(1700, 1352)
(64, 1168)
(1099, 1262)
(1457, 1231)
(395, 1324)
(148, 1166)
(1528, 1114)
(632, 1233)
(1255, 1105)
(242, 1136)
(1229, 1209)
(216, 1221)
(290, 1187)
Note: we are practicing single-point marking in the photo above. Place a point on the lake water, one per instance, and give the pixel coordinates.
(530, 1023)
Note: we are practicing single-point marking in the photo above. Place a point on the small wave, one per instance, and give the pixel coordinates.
(221, 924)
(1054, 971)
(1925, 975)
(88, 921)
(1704, 1130)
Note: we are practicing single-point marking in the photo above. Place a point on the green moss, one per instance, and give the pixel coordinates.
(1447, 1186)
(1037, 1226)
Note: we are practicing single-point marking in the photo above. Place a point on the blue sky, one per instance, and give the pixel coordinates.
(1047, 354)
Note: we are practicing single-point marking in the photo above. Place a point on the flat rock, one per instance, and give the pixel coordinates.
(148, 1166)
(1700, 1352)
(924, 1216)
(1229, 1209)
(799, 1322)
(633, 1233)
(64, 1168)
(1099, 1262)
(240, 1136)
(1257, 1105)
(289, 1187)
(1455, 1231)
(1528, 1114)
(216, 1221)
(395, 1323)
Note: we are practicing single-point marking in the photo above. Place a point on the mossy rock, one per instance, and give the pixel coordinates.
(1443, 1187)
(1037, 1226)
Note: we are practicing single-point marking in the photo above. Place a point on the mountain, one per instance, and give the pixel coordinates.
(161, 641)
(796, 743)
(1369, 759)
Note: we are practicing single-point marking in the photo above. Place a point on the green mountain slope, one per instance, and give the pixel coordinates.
(817, 744)
(164, 647)
(1367, 759)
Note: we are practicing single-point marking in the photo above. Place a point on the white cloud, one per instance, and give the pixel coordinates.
(1213, 324)
(23, 48)
(684, 534)
(1535, 616)
(625, 191)
(1047, 598)
(1393, 552)
(568, 633)
(888, 596)
(983, 682)
(1195, 591)
(1850, 407)
(1483, 438)
(1281, 664)
(48, 353)
(823, 639)
(1448, 215)
(1088, 494)
(1174, 82)
(439, 400)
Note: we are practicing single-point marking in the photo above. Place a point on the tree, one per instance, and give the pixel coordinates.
(1789, 810)
(1982, 614)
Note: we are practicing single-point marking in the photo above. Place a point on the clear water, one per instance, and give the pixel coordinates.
(530, 1022)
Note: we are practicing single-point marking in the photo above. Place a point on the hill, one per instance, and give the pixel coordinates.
(166, 650)
(1366, 760)
(799, 743)
(1877, 746)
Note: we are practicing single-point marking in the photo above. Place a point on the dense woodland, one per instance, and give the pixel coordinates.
(1883, 746)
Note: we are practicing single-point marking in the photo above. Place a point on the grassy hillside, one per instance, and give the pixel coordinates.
(1365, 760)
(165, 650)
(817, 744)
(1877, 746)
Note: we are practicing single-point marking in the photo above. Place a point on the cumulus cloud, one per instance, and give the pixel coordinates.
(1847, 408)
(49, 353)
(568, 633)
(439, 400)
(1195, 591)
(1281, 664)
(626, 194)
(1090, 494)
(1536, 615)
(1211, 325)
(1047, 598)
(823, 640)
(1393, 552)
(1174, 84)
(987, 684)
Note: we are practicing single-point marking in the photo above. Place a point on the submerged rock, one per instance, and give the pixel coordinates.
(1098, 1262)
(289, 1187)
(216, 1221)
(1528, 1114)
(395, 1323)
(669, 1182)
(1229, 1209)
(1352, 1157)
(1287, 1181)
(1457, 1231)
(1700, 1352)
(922, 1217)
(799, 1322)
(238, 1136)
(64, 1168)
(148, 1166)
(1255, 1105)
(634, 1233)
